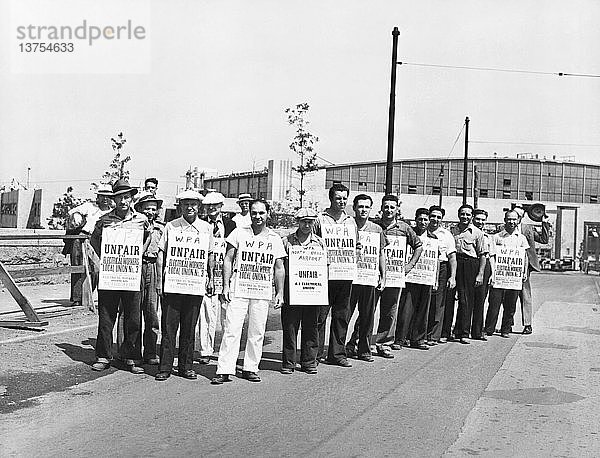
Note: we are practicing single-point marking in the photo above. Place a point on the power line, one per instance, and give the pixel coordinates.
(585, 145)
(497, 69)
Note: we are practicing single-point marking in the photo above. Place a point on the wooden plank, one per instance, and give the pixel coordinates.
(42, 237)
(15, 292)
(21, 323)
(41, 271)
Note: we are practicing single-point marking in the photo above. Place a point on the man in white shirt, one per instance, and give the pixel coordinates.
(243, 219)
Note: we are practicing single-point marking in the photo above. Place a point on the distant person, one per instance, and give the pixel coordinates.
(81, 220)
(151, 185)
(149, 205)
(479, 218)
(532, 236)
(243, 219)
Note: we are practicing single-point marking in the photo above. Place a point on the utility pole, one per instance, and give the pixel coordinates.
(389, 167)
(441, 184)
(28, 170)
(475, 186)
(465, 163)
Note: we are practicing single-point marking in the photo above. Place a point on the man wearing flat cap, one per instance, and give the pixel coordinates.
(149, 205)
(186, 262)
(212, 304)
(122, 217)
(243, 219)
(294, 317)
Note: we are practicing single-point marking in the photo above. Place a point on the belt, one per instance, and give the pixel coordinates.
(464, 256)
(149, 260)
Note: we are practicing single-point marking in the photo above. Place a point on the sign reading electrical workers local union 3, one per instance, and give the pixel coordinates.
(308, 275)
(254, 265)
(185, 267)
(395, 260)
(425, 270)
(367, 262)
(340, 240)
(121, 259)
(219, 249)
(510, 267)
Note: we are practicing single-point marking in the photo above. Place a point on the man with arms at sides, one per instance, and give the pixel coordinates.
(122, 217)
(446, 279)
(479, 218)
(359, 344)
(212, 304)
(388, 302)
(339, 290)
(149, 205)
(295, 316)
(470, 268)
(179, 310)
(243, 219)
(414, 300)
(509, 237)
(532, 237)
(262, 247)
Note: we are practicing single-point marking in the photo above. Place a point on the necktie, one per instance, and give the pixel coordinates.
(216, 232)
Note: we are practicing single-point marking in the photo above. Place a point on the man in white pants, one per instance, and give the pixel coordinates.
(255, 254)
(209, 310)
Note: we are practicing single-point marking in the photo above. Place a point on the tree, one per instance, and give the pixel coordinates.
(116, 169)
(302, 144)
(60, 210)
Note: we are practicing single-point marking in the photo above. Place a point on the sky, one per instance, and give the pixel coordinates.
(218, 76)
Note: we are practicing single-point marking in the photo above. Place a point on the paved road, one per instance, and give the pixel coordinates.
(524, 396)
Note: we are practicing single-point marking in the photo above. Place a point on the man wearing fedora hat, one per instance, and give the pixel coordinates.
(123, 216)
(209, 310)
(81, 220)
(149, 205)
(243, 219)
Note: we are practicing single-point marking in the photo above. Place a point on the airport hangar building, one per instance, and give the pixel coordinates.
(569, 190)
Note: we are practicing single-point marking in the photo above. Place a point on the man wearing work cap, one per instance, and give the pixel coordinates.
(243, 219)
(123, 217)
(151, 276)
(209, 310)
(81, 220)
(186, 262)
(295, 316)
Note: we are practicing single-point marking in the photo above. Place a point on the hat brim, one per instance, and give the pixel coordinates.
(246, 199)
(306, 217)
(104, 193)
(133, 191)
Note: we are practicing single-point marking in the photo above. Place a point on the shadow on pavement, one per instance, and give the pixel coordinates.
(83, 354)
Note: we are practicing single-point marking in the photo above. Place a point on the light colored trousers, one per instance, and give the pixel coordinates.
(207, 324)
(526, 300)
(257, 311)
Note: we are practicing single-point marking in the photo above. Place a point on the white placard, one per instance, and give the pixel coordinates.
(367, 261)
(425, 270)
(121, 259)
(219, 249)
(509, 268)
(340, 240)
(308, 275)
(395, 253)
(254, 268)
(186, 262)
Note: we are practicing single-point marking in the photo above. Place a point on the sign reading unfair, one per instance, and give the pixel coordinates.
(426, 269)
(308, 275)
(509, 269)
(367, 262)
(219, 248)
(340, 241)
(121, 259)
(185, 267)
(395, 253)
(254, 265)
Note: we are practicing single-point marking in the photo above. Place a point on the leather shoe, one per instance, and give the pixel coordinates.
(250, 376)
(204, 360)
(341, 363)
(162, 376)
(396, 346)
(367, 358)
(189, 374)
(220, 379)
(481, 337)
(431, 343)
(384, 353)
(351, 352)
(527, 329)
(152, 361)
(309, 370)
(463, 341)
(100, 366)
(505, 335)
(286, 370)
(443, 340)
(135, 369)
(420, 346)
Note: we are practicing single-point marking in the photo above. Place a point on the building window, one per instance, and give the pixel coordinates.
(459, 191)
(483, 193)
(506, 194)
(594, 199)
(529, 195)
(412, 188)
(507, 182)
(436, 190)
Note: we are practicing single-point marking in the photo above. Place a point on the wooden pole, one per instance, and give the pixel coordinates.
(389, 167)
(465, 162)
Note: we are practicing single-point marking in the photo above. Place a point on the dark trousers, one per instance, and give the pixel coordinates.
(437, 304)
(292, 318)
(388, 310)
(413, 311)
(467, 269)
(481, 293)
(149, 309)
(508, 299)
(108, 305)
(178, 311)
(339, 302)
(365, 297)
